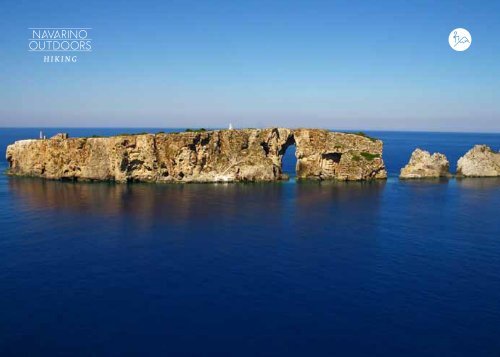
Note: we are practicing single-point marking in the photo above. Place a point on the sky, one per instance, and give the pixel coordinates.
(367, 65)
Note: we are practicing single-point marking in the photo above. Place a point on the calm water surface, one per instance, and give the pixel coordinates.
(385, 268)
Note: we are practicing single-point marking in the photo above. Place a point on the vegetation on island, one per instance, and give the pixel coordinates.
(368, 156)
(132, 134)
(189, 130)
(364, 155)
(360, 133)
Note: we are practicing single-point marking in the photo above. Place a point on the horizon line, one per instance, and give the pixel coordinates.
(240, 128)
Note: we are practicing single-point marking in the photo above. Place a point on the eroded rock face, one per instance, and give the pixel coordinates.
(211, 156)
(480, 161)
(323, 155)
(424, 165)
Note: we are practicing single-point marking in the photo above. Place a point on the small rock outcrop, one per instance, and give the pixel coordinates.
(424, 165)
(199, 156)
(480, 161)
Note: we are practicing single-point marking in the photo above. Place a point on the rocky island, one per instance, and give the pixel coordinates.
(480, 161)
(424, 165)
(200, 156)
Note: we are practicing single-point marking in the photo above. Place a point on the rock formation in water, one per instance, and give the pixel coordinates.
(323, 155)
(424, 165)
(480, 161)
(203, 156)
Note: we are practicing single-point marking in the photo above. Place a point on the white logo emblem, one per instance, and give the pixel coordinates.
(460, 39)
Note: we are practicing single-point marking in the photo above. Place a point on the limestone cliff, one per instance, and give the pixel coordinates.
(424, 165)
(323, 155)
(480, 161)
(211, 156)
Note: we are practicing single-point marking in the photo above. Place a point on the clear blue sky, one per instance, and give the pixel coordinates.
(335, 64)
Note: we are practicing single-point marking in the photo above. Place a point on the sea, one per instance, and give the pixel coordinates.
(385, 268)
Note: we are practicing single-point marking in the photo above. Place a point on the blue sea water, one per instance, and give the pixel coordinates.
(385, 268)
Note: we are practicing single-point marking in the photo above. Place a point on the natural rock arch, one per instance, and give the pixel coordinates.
(205, 156)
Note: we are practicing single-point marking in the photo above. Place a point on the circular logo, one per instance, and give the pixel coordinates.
(460, 39)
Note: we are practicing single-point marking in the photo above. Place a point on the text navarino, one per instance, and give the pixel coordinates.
(60, 40)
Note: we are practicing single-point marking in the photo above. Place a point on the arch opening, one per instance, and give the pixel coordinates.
(289, 160)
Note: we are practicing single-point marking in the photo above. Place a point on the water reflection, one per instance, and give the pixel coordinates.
(171, 202)
(311, 193)
(425, 182)
(337, 208)
(479, 183)
(239, 204)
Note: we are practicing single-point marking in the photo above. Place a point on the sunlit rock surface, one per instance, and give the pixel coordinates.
(204, 156)
(323, 155)
(480, 161)
(424, 165)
